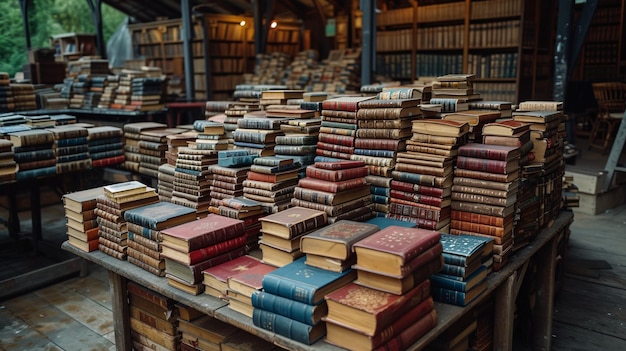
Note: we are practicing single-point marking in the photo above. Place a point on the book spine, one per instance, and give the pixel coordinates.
(294, 149)
(496, 239)
(295, 310)
(335, 210)
(336, 139)
(202, 254)
(434, 139)
(145, 232)
(335, 148)
(476, 184)
(339, 120)
(477, 218)
(71, 141)
(155, 263)
(151, 320)
(418, 198)
(420, 179)
(216, 236)
(144, 250)
(30, 156)
(394, 134)
(422, 170)
(483, 165)
(339, 114)
(108, 216)
(417, 189)
(339, 105)
(68, 150)
(282, 325)
(483, 153)
(410, 335)
(331, 187)
(336, 175)
(111, 252)
(226, 185)
(478, 208)
(338, 131)
(25, 166)
(118, 239)
(296, 140)
(274, 169)
(378, 144)
(467, 173)
(448, 296)
(482, 199)
(476, 227)
(150, 244)
(146, 267)
(451, 269)
(288, 289)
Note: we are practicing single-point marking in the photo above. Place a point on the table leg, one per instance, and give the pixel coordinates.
(504, 314)
(13, 220)
(35, 212)
(542, 331)
(119, 305)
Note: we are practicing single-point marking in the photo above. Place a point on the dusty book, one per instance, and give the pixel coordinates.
(336, 240)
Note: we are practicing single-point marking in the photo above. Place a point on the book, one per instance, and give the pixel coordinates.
(160, 215)
(326, 198)
(287, 327)
(296, 310)
(543, 116)
(278, 257)
(300, 282)
(193, 289)
(331, 187)
(292, 222)
(124, 189)
(490, 152)
(335, 240)
(440, 127)
(473, 117)
(488, 165)
(540, 105)
(204, 253)
(507, 127)
(80, 201)
(370, 311)
(192, 273)
(464, 284)
(274, 177)
(393, 246)
(202, 232)
(329, 263)
(459, 298)
(461, 249)
(250, 280)
(217, 276)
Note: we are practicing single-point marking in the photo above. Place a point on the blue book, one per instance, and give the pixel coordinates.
(461, 250)
(300, 282)
(326, 159)
(455, 297)
(287, 327)
(160, 215)
(231, 153)
(36, 173)
(299, 311)
(379, 190)
(458, 283)
(384, 222)
(237, 161)
(72, 141)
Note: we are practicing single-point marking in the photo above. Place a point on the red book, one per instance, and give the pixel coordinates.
(336, 139)
(273, 178)
(196, 256)
(418, 198)
(491, 152)
(369, 310)
(419, 189)
(410, 267)
(486, 165)
(506, 127)
(480, 218)
(410, 335)
(394, 245)
(247, 281)
(339, 165)
(202, 232)
(335, 147)
(217, 276)
(331, 187)
(344, 103)
(336, 175)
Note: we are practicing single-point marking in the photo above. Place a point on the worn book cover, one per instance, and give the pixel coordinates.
(249, 280)
(160, 215)
(492, 152)
(217, 276)
(124, 189)
(461, 249)
(296, 310)
(193, 273)
(80, 201)
(287, 327)
(293, 221)
(204, 253)
(440, 127)
(507, 127)
(336, 240)
(202, 232)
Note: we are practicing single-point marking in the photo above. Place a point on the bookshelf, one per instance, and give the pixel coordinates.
(505, 43)
(230, 48)
(71, 46)
(603, 57)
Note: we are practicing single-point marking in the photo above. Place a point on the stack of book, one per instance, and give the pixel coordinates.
(420, 189)
(487, 206)
(298, 73)
(63, 119)
(124, 89)
(192, 179)
(152, 147)
(215, 108)
(339, 115)
(39, 121)
(504, 107)
(292, 302)
(132, 132)
(33, 153)
(193, 246)
(113, 231)
(153, 323)
(82, 227)
(6, 93)
(476, 119)
(146, 94)
(234, 112)
(11, 119)
(249, 211)
(338, 188)
(243, 284)
(105, 146)
(299, 142)
(148, 221)
(216, 277)
(203, 333)
(463, 277)
(271, 181)
(229, 174)
(269, 68)
(394, 280)
(454, 92)
(71, 149)
(108, 92)
(8, 166)
(257, 135)
(24, 96)
(545, 118)
(330, 247)
(165, 181)
(210, 135)
(175, 141)
(281, 233)
(380, 188)
(278, 97)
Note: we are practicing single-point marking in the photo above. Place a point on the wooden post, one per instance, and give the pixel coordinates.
(504, 312)
(542, 331)
(119, 304)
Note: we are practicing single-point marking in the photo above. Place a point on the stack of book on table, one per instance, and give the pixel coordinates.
(487, 208)
(8, 166)
(476, 120)
(191, 247)
(338, 188)
(299, 142)
(234, 112)
(210, 135)
(105, 146)
(390, 302)
(146, 94)
(71, 149)
(24, 96)
(33, 153)
(279, 97)
(132, 132)
(249, 211)
(454, 92)
(242, 284)
(271, 181)
(153, 323)
(113, 230)
(464, 273)
(167, 171)
(420, 189)
(281, 233)
(192, 179)
(215, 278)
(152, 148)
(148, 221)
(82, 226)
(292, 302)
(257, 133)
(228, 175)
(336, 141)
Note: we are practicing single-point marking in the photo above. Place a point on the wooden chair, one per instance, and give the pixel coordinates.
(611, 98)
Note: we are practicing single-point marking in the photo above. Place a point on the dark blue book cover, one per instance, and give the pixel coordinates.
(384, 222)
(237, 161)
(287, 327)
(304, 283)
(231, 153)
(461, 249)
(160, 215)
(296, 310)
(459, 283)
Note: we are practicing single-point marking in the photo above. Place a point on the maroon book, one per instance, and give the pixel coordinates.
(205, 253)
(249, 280)
(217, 276)
(487, 165)
(491, 152)
(331, 187)
(202, 232)
(339, 164)
(336, 175)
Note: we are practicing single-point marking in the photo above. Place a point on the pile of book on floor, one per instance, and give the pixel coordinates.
(71, 149)
(82, 226)
(193, 246)
(148, 221)
(281, 233)
(271, 181)
(114, 235)
(393, 279)
(465, 270)
(216, 278)
(105, 146)
(8, 166)
(33, 153)
(153, 322)
(337, 188)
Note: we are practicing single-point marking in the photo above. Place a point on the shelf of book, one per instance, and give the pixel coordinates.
(71, 46)
(483, 37)
(504, 284)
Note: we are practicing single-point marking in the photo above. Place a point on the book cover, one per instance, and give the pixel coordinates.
(296, 310)
(464, 284)
(507, 127)
(300, 282)
(204, 253)
(292, 222)
(192, 273)
(492, 152)
(458, 298)
(336, 240)
(160, 215)
(124, 189)
(461, 249)
(247, 281)
(80, 201)
(287, 327)
(202, 232)
(370, 310)
(217, 276)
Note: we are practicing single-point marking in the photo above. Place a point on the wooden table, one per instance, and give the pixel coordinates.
(505, 284)
(176, 110)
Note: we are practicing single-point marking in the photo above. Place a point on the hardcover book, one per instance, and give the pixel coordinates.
(192, 274)
(300, 282)
(440, 127)
(160, 215)
(459, 298)
(296, 310)
(287, 327)
(370, 311)
(81, 201)
(124, 189)
(492, 152)
(461, 249)
(217, 276)
(204, 253)
(507, 127)
(250, 280)
(202, 232)
(292, 222)
(336, 240)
